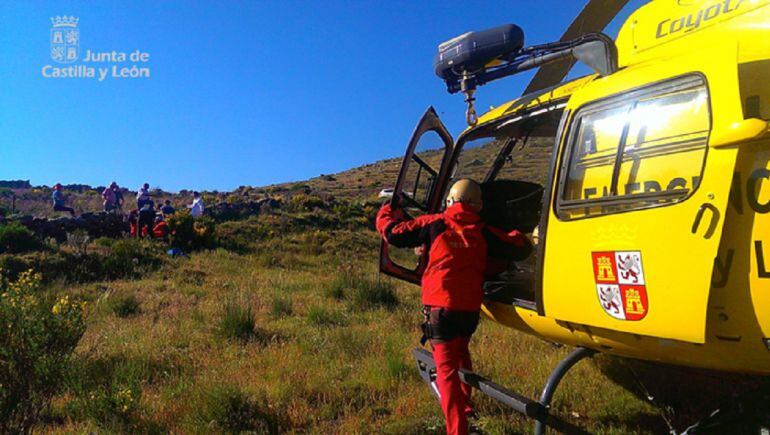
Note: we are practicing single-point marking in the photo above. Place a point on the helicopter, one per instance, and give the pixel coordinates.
(644, 187)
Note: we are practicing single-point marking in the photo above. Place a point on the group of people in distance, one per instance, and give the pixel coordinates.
(145, 220)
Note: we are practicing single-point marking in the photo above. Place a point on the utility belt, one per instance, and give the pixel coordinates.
(444, 324)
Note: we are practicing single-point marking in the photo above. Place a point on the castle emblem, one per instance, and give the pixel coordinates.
(620, 284)
(65, 39)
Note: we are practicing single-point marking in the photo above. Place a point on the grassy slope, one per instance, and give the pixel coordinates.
(318, 364)
(345, 370)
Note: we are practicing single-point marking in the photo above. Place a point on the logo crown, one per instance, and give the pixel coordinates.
(65, 21)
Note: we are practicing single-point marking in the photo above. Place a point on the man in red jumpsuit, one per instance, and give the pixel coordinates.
(459, 245)
(160, 230)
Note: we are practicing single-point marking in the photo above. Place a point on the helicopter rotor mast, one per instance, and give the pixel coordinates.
(594, 17)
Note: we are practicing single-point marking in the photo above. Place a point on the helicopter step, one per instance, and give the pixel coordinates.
(537, 410)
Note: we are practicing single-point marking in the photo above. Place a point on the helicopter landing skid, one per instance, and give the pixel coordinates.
(537, 410)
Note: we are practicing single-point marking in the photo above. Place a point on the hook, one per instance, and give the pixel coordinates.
(470, 113)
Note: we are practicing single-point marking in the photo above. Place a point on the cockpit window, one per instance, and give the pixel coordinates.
(477, 156)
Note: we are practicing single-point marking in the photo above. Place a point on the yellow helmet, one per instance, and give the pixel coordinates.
(467, 192)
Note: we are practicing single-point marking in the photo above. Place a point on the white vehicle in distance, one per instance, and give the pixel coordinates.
(388, 193)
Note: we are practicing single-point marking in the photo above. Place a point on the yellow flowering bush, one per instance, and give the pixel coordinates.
(304, 202)
(107, 395)
(39, 334)
(188, 233)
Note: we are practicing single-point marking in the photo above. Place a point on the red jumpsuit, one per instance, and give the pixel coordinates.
(459, 245)
(160, 230)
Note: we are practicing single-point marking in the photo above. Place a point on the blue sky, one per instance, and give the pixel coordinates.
(239, 93)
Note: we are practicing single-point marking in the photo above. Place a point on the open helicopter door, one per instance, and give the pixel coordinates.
(418, 190)
(641, 196)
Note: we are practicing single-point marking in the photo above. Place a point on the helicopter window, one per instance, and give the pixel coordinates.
(477, 156)
(639, 152)
(419, 180)
(596, 147)
(511, 159)
(421, 172)
(667, 139)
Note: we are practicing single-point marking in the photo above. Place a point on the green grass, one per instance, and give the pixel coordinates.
(281, 306)
(237, 322)
(336, 288)
(123, 305)
(227, 408)
(395, 362)
(226, 342)
(362, 292)
(322, 316)
(368, 293)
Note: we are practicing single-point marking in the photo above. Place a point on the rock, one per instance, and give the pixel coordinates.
(240, 210)
(95, 224)
(113, 225)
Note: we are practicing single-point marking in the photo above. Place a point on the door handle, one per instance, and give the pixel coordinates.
(714, 219)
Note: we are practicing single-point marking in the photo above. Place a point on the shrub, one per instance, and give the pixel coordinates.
(39, 336)
(297, 187)
(12, 266)
(105, 242)
(131, 258)
(123, 305)
(239, 323)
(321, 316)
(364, 293)
(281, 306)
(229, 409)
(78, 240)
(189, 234)
(126, 258)
(349, 244)
(305, 202)
(108, 390)
(16, 238)
(311, 242)
(243, 236)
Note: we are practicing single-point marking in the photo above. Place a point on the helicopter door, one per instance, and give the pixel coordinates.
(639, 205)
(418, 190)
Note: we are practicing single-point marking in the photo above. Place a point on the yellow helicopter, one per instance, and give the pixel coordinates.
(645, 186)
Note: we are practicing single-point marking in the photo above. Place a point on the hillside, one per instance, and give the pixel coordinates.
(361, 183)
(364, 182)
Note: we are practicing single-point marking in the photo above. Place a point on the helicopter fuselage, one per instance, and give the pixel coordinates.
(655, 230)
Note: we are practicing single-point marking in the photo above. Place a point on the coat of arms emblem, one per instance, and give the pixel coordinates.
(620, 285)
(65, 39)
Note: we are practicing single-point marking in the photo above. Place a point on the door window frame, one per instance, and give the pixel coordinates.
(430, 121)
